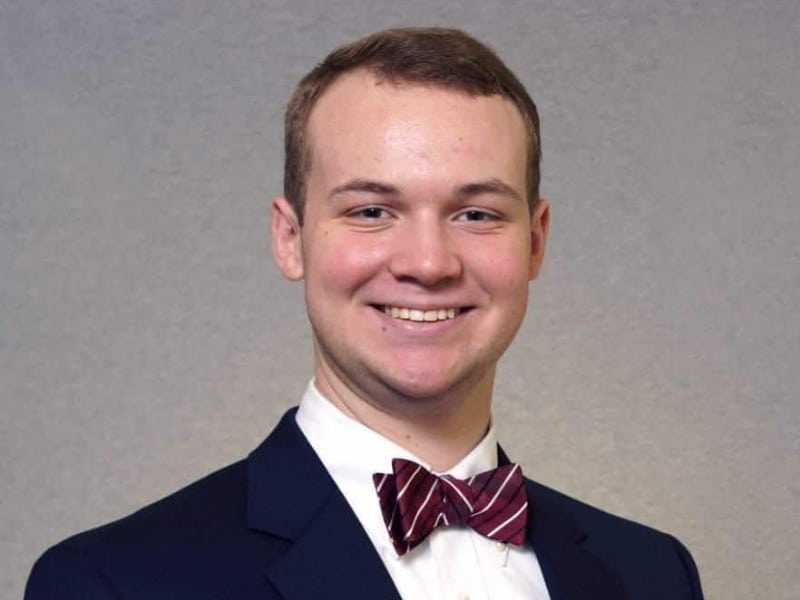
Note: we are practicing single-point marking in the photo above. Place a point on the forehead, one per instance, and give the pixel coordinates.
(367, 120)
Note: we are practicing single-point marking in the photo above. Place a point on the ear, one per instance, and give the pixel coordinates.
(540, 226)
(287, 244)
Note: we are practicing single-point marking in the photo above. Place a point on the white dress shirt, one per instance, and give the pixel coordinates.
(453, 562)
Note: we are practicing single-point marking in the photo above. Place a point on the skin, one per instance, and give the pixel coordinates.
(416, 198)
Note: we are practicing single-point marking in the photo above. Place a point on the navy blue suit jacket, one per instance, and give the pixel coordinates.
(276, 526)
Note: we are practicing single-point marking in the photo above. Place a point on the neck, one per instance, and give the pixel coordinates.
(440, 431)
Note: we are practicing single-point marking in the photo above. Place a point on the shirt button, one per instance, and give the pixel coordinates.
(500, 546)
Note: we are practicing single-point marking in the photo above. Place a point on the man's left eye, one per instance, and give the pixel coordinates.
(477, 215)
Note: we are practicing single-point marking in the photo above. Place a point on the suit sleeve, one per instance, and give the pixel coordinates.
(696, 591)
(66, 573)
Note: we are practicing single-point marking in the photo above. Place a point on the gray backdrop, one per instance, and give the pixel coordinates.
(146, 337)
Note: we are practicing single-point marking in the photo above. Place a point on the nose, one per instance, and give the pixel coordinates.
(427, 254)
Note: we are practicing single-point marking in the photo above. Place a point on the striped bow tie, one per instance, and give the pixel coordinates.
(414, 502)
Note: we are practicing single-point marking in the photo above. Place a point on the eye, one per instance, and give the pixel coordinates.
(371, 213)
(475, 215)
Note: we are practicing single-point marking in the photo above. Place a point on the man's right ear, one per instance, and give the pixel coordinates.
(287, 244)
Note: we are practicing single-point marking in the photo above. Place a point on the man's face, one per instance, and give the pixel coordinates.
(418, 244)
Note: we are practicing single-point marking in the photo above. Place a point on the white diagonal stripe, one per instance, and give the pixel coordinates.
(419, 510)
(458, 491)
(410, 479)
(383, 480)
(508, 520)
(390, 524)
(497, 494)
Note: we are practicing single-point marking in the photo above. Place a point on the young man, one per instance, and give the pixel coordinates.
(412, 214)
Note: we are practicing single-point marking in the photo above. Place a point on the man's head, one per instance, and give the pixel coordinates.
(436, 57)
(419, 238)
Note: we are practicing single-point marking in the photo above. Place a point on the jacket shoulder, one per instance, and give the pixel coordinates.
(63, 572)
(646, 558)
(211, 502)
(186, 532)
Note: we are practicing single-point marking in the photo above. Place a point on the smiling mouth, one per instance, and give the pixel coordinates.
(421, 316)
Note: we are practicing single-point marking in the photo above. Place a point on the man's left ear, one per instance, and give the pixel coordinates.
(540, 226)
(287, 244)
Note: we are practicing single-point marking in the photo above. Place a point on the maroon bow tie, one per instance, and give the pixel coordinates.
(414, 502)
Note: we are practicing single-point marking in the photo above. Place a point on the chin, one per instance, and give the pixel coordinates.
(424, 388)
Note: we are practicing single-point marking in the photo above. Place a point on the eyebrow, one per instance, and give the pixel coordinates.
(489, 186)
(476, 188)
(364, 185)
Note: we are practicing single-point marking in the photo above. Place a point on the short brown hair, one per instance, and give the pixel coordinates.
(447, 58)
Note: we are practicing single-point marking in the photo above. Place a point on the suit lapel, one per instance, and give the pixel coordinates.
(570, 570)
(291, 496)
(328, 554)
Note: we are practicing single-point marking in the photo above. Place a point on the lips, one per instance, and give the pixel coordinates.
(419, 315)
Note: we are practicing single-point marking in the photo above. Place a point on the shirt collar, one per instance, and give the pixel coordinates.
(352, 449)
(352, 452)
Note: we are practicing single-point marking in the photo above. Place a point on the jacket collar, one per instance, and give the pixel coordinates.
(291, 496)
(570, 569)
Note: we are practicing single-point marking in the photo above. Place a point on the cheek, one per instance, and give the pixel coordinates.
(337, 264)
(504, 271)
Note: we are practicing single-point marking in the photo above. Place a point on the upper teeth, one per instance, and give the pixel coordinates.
(414, 314)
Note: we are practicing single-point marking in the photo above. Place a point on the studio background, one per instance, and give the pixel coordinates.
(146, 338)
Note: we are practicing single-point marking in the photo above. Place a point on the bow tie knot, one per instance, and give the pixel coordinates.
(415, 501)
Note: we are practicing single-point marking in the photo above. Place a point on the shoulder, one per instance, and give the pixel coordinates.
(208, 504)
(189, 526)
(202, 541)
(643, 556)
(593, 521)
